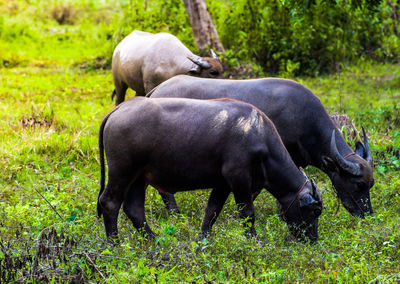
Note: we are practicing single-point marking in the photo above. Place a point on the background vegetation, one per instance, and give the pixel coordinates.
(309, 37)
(55, 88)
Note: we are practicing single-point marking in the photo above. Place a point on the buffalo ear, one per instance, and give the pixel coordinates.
(306, 200)
(316, 192)
(360, 149)
(195, 70)
(329, 164)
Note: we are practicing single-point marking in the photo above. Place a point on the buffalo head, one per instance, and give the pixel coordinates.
(352, 176)
(302, 211)
(207, 67)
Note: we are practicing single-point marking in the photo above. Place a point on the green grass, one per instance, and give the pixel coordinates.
(52, 100)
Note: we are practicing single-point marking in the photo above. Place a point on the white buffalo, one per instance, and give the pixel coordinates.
(143, 60)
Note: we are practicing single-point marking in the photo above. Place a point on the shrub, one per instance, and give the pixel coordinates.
(296, 37)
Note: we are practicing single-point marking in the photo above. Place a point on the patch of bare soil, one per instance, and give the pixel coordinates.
(53, 257)
(343, 121)
(244, 71)
(35, 122)
(98, 63)
(389, 151)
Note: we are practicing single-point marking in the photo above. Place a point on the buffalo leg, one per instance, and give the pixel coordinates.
(134, 207)
(170, 202)
(240, 182)
(215, 203)
(241, 188)
(246, 211)
(110, 202)
(120, 91)
(255, 194)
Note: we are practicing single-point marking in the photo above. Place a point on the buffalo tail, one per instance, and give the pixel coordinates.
(102, 164)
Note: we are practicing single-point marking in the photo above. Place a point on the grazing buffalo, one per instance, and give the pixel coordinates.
(183, 144)
(303, 124)
(143, 60)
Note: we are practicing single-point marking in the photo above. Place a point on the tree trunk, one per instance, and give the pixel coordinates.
(203, 28)
(394, 14)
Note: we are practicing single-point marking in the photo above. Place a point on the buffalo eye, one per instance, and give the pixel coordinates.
(361, 185)
(214, 73)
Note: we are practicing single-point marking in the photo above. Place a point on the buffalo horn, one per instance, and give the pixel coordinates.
(303, 172)
(345, 165)
(214, 55)
(198, 61)
(368, 154)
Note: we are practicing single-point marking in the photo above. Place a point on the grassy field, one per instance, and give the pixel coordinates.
(54, 92)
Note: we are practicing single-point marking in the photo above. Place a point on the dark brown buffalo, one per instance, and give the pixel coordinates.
(183, 144)
(303, 124)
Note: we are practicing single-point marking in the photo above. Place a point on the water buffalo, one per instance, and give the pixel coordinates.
(143, 60)
(184, 144)
(303, 124)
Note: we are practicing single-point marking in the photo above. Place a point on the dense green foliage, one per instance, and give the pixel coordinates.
(288, 36)
(54, 91)
(273, 36)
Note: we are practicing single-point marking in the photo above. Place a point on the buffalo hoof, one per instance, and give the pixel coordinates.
(202, 237)
(113, 241)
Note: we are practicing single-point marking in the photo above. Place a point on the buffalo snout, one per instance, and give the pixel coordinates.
(302, 216)
(305, 232)
(357, 202)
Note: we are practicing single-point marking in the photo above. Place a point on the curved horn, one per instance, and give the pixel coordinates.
(303, 172)
(203, 64)
(368, 154)
(214, 55)
(345, 165)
